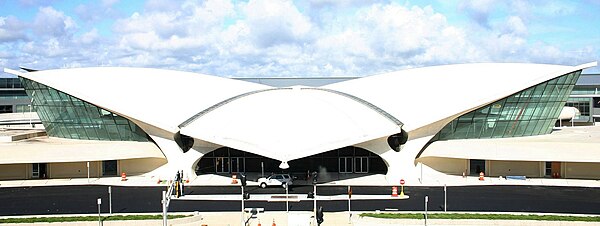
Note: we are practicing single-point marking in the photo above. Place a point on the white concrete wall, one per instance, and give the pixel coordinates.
(402, 164)
(140, 166)
(446, 165)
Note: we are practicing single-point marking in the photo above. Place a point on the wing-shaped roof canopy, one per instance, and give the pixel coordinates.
(162, 98)
(291, 123)
(439, 93)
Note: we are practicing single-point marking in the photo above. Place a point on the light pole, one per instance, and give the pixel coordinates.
(287, 210)
(88, 171)
(445, 203)
(99, 203)
(164, 206)
(315, 201)
(110, 200)
(426, 200)
(349, 207)
(242, 218)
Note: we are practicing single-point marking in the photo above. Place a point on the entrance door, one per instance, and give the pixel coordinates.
(361, 164)
(38, 170)
(345, 164)
(476, 166)
(237, 165)
(109, 168)
(556, 169)
(222, 165)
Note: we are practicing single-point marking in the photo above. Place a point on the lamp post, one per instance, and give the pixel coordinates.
(99, 203)
(445, 194)
(88, 171)
(287, 206)
(426, 201)
(110, 200)
(349, 207)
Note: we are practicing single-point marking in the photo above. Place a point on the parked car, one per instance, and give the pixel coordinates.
(275, 179)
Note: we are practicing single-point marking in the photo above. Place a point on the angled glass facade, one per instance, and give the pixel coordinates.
(69, 117)
(530, 112)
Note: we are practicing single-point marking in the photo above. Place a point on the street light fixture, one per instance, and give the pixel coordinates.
(99, 203)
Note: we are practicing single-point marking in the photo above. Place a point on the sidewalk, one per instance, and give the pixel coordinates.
(368, 180)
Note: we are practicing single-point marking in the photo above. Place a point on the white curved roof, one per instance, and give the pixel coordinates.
(162, 98)
(292, 123)
(423, 96)
(287, 124)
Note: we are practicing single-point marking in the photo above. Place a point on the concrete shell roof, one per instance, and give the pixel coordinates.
(438, 94)
(162, 98)
(287, 124)
(292, 123)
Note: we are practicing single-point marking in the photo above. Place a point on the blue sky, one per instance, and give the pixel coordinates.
(270, 38)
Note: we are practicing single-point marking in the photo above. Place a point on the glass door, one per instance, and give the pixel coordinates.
(222, 165)
(35, 170)
(345, 165)
(361, 164)
(237, 165)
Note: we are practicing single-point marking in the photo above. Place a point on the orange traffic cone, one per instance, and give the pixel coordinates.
(274, 222)
(233, 179)
(123, 176)
(481, 176)
(394, 191)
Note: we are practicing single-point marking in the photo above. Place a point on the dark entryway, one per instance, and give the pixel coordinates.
(347, 160)
(39, 170)
(109, 168)
(476, 166)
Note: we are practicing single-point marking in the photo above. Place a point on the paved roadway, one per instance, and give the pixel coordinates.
(82, 199)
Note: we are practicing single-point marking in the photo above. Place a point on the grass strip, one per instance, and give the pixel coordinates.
(87, 218)
(457, 216)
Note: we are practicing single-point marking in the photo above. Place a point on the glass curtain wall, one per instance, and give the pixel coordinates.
(69, 117)
(530, 112)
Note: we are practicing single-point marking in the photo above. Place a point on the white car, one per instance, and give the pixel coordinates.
(275, 179)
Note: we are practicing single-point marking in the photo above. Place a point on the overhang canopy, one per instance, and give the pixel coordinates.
(573, 144)
(52, 150)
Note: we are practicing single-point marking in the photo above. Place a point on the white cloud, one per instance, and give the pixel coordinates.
(52, 23)
(11, 29)
(282, 38)
(276, 22)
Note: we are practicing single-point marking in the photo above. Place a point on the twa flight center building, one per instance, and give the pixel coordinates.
(496, 118)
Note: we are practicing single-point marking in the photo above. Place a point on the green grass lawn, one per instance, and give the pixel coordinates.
(87, 218)
(480, 216)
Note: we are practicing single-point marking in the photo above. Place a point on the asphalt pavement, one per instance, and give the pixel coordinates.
(502, 198)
